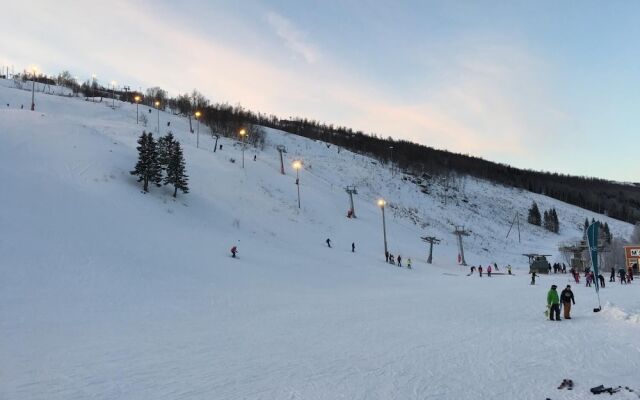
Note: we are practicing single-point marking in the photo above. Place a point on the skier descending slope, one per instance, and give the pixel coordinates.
(234, 251)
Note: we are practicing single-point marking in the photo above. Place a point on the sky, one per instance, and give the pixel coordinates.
(545, 85)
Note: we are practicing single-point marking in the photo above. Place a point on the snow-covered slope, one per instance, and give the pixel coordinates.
(107, 292)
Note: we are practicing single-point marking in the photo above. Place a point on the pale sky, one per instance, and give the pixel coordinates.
(546, 85)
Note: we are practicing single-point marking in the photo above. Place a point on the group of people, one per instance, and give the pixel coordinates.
(396, 261)
(558, 268)
(490, 268)
(554, 301)
(626, 276)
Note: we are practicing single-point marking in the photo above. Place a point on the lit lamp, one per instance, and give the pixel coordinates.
(297, 164)
(381, 204)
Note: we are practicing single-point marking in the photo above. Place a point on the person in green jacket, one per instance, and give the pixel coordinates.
(553, 302)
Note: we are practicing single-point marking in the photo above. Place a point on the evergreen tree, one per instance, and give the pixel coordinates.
(546, 221)
(165, 145)
(534, 215)
(586, 225)
(556, 222)
(147, 168)
(176, 175)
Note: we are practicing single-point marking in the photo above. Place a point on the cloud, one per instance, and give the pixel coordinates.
(294, 38)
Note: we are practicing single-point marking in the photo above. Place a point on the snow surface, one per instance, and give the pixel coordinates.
(106, 292)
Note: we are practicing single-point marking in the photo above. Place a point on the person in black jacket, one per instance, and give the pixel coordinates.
(566, 298)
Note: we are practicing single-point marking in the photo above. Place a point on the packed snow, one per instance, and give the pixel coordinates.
(107, 292)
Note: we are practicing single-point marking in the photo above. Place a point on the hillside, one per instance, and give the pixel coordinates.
(107, 292)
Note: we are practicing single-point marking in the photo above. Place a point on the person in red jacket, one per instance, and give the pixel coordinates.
(489, 271)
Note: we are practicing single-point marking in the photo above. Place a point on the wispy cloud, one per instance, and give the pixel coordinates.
(294, 38)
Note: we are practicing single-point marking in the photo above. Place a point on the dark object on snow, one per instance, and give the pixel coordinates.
(566, 384)
(328, 242)
(353, 247)
(601, 389)
(597, 309)
(168, 123)
(234, 251)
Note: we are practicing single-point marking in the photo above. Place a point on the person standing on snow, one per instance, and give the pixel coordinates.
(533, 277)
(353, 247)
(409, 263)
(489, 271)
(480, 270)
(509, 269)
(495, 266)
(553, 302)
(567, 298)
(399, 260)
(328, 242)
(612, 277)
(234, 251)
(601, 279)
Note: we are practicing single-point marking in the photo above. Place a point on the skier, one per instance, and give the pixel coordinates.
(480, 270)
(601, 279)
(509, 269)
(489, 271)
(353, 247)
(533, 277)
(567, 298)
(409, 263)
(553, 302)
(234, 251)
(328, 242)
(399, 260)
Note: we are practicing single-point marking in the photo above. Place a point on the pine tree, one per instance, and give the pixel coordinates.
(176, 175)
(556, 221)
(546, 221)
(586, 225)
(147, 168)
(534, 215)
(165, 144)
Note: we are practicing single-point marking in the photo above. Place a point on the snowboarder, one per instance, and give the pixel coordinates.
(409, 263)
(533, 277)
(489, 271)
(553, 302)
(567, 298)
(234, 251)
(509, 269)
(328, 242)
(353, 247)
(399, 260)
(480, 270)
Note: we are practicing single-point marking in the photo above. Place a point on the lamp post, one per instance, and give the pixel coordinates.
(113, 94)
(33, 89)
(297, 164)
(381, 204)
(137, 99)
(243, 134)
(198, 114)
(157, 103)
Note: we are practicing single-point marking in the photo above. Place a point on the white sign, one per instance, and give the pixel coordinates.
(635, 252)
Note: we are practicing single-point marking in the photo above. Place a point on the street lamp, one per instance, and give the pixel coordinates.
(381, 204)
(33, 89)
(113, 94)
(198, 114)
(243, 134)
(297, 164)
(137, 99)
(157, 103)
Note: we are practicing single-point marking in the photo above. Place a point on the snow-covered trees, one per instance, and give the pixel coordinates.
(175, 170)
(551, 222)
(147, 169)
(156, 159)
(534, 215)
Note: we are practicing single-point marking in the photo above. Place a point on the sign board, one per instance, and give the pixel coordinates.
(632, 256)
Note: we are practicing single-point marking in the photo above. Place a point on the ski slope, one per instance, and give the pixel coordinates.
(107, 292)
